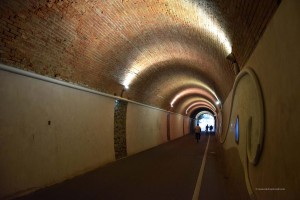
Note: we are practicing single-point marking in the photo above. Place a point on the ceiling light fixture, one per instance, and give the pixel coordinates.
(232, 59)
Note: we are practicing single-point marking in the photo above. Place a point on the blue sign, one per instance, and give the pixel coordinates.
(237, 130)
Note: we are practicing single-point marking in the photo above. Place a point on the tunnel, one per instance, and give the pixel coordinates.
(99, 99)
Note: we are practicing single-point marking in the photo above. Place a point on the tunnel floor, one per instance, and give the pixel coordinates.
(169, 171)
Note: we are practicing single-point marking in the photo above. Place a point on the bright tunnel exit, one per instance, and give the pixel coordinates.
(206, 122)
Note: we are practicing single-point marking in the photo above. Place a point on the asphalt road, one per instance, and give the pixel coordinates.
(167, 172)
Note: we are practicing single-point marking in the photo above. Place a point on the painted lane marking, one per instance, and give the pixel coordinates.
(200, 176)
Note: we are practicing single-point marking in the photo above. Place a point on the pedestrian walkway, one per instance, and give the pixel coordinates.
(169, 171)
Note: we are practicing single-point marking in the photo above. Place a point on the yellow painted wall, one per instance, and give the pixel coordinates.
(34, 154)
(176, 126)
(145, 128)
(186, 125)
(276, 62)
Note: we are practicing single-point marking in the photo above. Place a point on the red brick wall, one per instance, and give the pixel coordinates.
(94, 43)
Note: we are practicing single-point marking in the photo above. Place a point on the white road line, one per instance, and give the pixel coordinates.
(199, 180)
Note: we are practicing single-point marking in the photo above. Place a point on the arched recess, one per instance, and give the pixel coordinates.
(187, 55)
(198, 105)
(189, 100)
(206, 121)
(201, 26)
(164, 55)
(159, 88)
(193, 115)
(192, 92)
(202, 112)
(129, 43)
(152, 48)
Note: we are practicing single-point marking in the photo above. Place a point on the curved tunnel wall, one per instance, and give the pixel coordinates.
(50, 132)
(145, 128)
(275, 61)
(19, 51)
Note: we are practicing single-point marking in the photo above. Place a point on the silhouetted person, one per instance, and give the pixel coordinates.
(210, 128)
(206, 128)
(197, 132)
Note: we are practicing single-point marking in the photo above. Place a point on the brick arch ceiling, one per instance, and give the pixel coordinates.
(186, 103)
(197, 106)
(105, 45)
(204, 112)
(159, 87)
(191, 92)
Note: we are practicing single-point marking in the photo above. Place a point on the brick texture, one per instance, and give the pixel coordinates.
(98, 43)
(120, 129)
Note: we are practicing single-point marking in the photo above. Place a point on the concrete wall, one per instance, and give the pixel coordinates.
(186, 125)
(50, 133)
(176, 126)
(276, 63)
(146, 128)
(223, 116)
